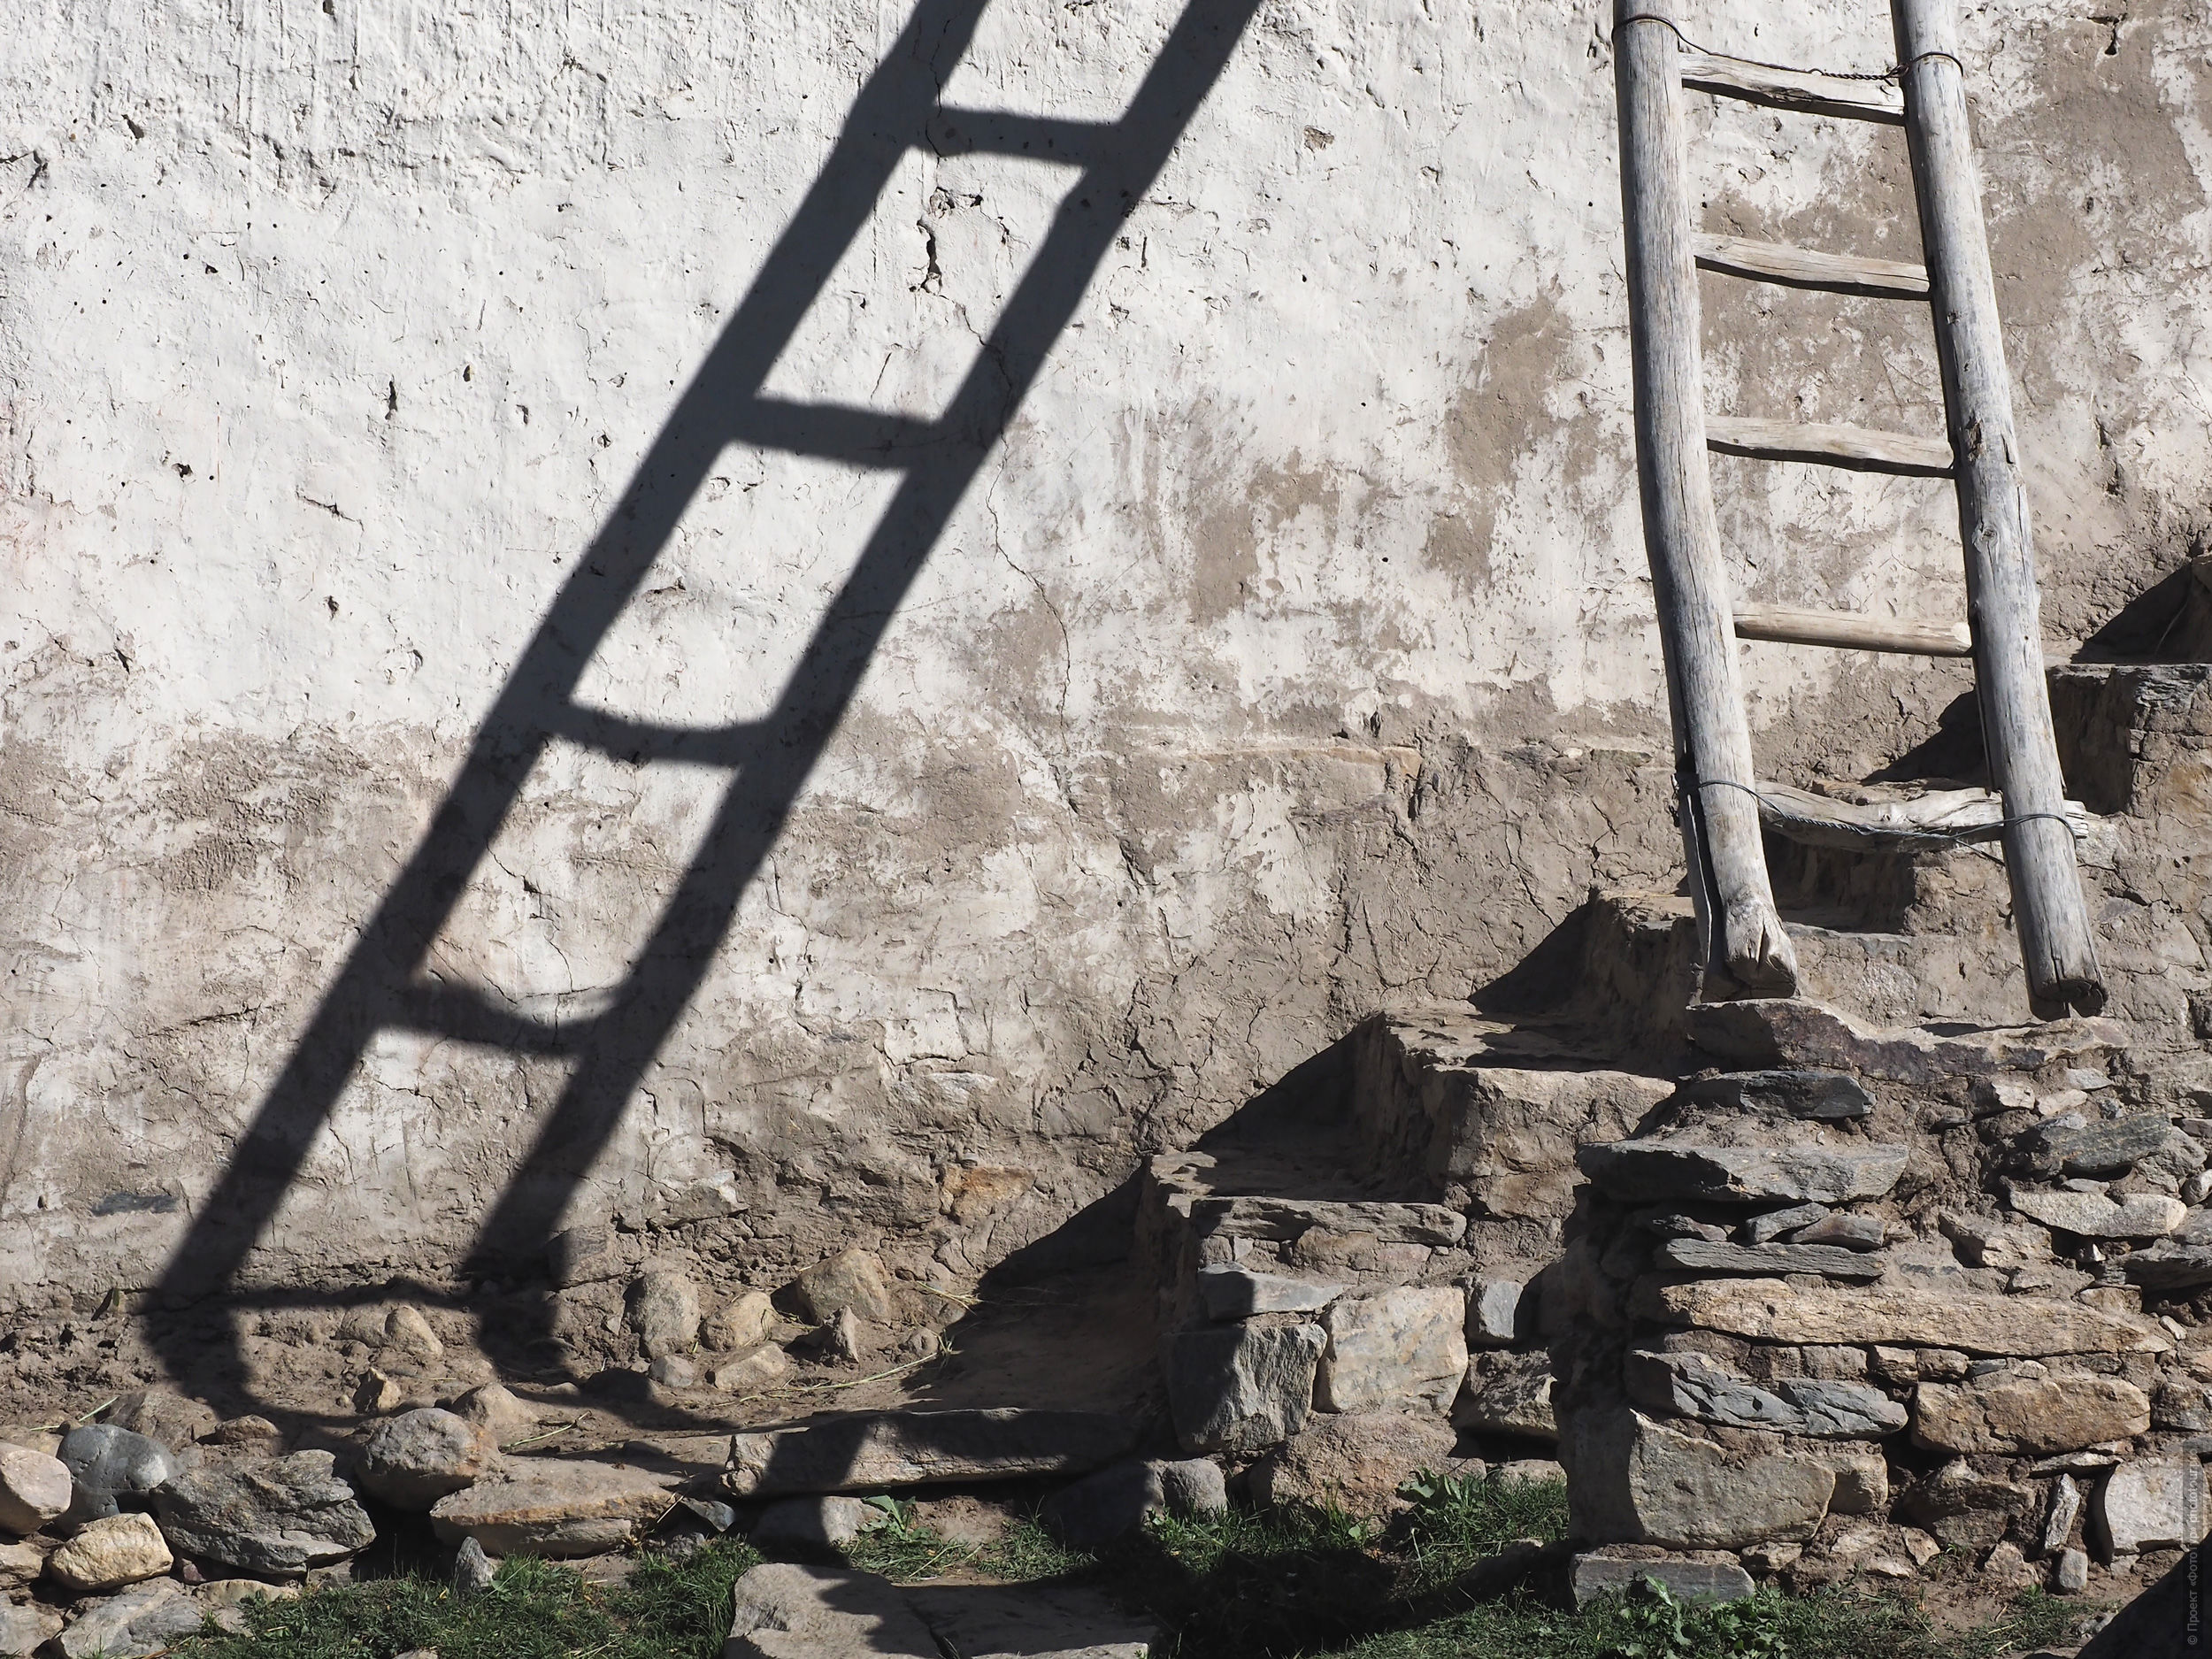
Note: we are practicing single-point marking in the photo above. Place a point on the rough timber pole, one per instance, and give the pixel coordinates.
(2055, 941)
(1746, 953)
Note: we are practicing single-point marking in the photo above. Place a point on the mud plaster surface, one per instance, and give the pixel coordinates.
(1292, 652)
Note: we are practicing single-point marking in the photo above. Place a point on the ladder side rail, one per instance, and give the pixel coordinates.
(2056, 941)
(1746, 951)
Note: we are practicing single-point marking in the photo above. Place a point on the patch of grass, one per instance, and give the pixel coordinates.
(907, 1550)
(669, 1609)
(1457, 1521)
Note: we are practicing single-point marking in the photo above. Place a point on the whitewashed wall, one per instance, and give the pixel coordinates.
(1292, 652)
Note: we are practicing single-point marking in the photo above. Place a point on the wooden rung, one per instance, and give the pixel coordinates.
(1854, 447)
(1802, 91)
(1847, 632)
(1802, 268)
(1936, 817)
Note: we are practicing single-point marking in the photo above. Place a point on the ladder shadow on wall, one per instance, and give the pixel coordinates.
(382, 986)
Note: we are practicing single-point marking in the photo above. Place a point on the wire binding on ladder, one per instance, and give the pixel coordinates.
(1893, 73)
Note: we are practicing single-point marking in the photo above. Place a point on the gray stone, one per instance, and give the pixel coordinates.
(1596, 1574)
(2070, 1572)
(1771, 1310)
(2058, 1520)
(24, 1629)
(1289, 1219)
(1673, 1224)
(763, 1369)
(1354, 1462)
(1767, 1261)
(162, 1415)
(1633, 1480)
(556, 1507)
(474, 1570)
(1826, 1096)
(2093, 1215)
(33, 1488)
(1764, 1229)
(852, 1279)
(276, 1518)
(1964, 1508)
(104, 1458)
(1507, 1394)
(414, 1459)
(407, 1332)
(1842, 1231)
(817, 1523)
(1691, 1384)
(1657, 1171)
(674, 1370)
(2181, 1405)
(662, 1308)
(142, 1620)
(2105, 1149)
(1113, 1503)
(878, 1451)
(1237, 1293)
(106, 1555)
(782, 1610)
(1985, 1242)
(2149, 1505)
(21, 1565)
(1241, 1389)
(746, 1321)
(1391, 1347)
(1797, 1033)
(1529, 1472)
(2028, 1416)
(1494, 1313)
(1031, 1621)
(2169, 1265)
(498, 1413)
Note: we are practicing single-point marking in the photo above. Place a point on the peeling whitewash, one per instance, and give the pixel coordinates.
(1294, 651)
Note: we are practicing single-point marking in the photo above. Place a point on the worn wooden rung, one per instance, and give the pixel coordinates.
(1803, 268)
(1854, 447)
(1848, 632)
(1805, 92)
(1937, 818)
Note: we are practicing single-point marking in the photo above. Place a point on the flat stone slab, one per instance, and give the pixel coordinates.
(1692, 1385)
(1769, 1310)
(2107, 1148)
(1238, 1293)
(1794, 1033)
(1029, 1621)
(1673, 1171)
(783, 1610)
(2169, 1266)
(1824, 1096)
(873, 1451)
(557, 1507)
(2028, 1417)
(1287, 1218)
(2093, 1215)
(1758, 1261)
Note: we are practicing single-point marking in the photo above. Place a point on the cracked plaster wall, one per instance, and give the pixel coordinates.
(1294, 653)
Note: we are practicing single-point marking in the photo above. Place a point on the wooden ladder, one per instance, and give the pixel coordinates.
(1745, 952)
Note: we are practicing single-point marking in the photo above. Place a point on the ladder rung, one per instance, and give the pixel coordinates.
(1935, 818)
(1854, 447)
(1802, 268)
(1847, 632)
(1806, 92)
